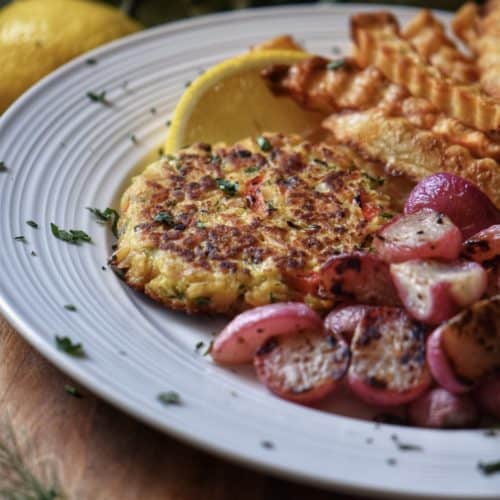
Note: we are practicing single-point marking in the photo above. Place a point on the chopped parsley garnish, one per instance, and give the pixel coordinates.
(292, 224)
(270, 207)
(75, 236)
(333, 65)
(108, 215)
(152, 110)
(263, 143)
(320, 162)
(209, 348)
(3, 167)
(187, 84)
(405, 446)
(391, 461)
(33, 253)
(70, 307)
(200, 345)
(134, 139)
(66, 344)
(72, 391)
(101, 97)
(251, 170)
(164, 218)
(374, 181)
(228, 187)
(32, 223)
(22, 239)
(386, 215)
(200, 225)
(91, 61)
(489, 467)
(202, 301)
(169, 398)
(268, 445)
(168, 123)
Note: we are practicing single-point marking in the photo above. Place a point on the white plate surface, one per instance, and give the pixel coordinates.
(65, 153)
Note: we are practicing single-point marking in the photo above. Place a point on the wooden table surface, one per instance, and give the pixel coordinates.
(101, 453)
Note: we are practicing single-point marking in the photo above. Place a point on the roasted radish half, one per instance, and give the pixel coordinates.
(488, 395)
(484, 247)
(441, 368)
(344, 320)
(471, 340)
(464, 203)
(433, 291)
(240, 339)
(304, 367)
(421, 235)
(358, 277)
(441, 409)
(388, 364)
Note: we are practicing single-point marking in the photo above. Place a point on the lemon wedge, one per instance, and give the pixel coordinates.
(231, 101)
(37, 36)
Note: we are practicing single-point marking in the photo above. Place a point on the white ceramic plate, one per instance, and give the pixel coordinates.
(65, 153)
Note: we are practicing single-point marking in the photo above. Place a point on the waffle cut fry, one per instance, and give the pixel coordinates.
(405, 149)
(488, 49)
(428, 36)
(465, 24)
(379, 42)
(317, 84)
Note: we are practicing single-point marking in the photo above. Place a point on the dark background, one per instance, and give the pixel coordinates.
(153, 12)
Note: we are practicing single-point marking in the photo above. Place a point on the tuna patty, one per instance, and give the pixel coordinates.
(223, 229)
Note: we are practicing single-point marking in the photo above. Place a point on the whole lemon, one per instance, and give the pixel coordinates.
(37, 36)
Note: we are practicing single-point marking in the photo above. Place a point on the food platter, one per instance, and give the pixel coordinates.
(65, 152)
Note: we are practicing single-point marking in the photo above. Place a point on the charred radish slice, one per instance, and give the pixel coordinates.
(488, 395)
(440, 366)
(484, 247)
(464, 203)
(303, 368)
(240, 339)
(344, 320)
(441, 409)
(433, 291)
(471, 340)
(388, 364)
(421, 235)
(358, 277)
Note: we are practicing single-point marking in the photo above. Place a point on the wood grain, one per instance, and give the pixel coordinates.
(101, 453)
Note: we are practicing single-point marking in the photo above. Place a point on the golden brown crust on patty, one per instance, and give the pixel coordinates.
(228, 228)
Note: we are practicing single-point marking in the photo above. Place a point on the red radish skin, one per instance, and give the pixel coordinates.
(358, 277)
(303, 368)
(488, 395)
(463, 202)
(433, 291)
(484, 247)
(440, 366)
(388, 366)
(441, 409)
(240, 339)
(344, 320)
(421, 235)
